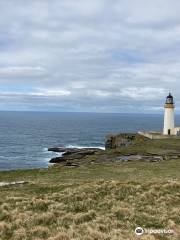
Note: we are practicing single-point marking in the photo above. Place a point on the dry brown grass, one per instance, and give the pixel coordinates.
(97, 202)
(102, 210)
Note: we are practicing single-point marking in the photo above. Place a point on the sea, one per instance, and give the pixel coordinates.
(26, 136)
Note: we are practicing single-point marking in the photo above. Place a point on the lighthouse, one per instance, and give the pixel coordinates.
(169, 131)
(169, 116)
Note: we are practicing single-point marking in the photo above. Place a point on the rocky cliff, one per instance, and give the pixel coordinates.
(122, 140)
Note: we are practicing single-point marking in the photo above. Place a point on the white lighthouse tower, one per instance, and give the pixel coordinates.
(169, 131)
(169, 116)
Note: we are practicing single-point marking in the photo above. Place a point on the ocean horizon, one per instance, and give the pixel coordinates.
(26, 136)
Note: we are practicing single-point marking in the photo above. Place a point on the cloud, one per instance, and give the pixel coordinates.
(146, 93)
(51, 93)
(89, 55)
(39, 93)
(21, 71)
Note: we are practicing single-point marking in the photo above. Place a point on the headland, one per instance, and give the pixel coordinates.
(95, 194)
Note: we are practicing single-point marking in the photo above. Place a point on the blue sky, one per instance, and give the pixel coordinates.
(92, 56)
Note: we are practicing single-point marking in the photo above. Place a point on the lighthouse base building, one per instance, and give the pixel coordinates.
(169, 130)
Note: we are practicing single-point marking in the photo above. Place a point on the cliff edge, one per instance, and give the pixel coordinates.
(114, 141)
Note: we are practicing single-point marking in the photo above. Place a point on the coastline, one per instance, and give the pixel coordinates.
(124, 147)
(25, 135)
(105, 196)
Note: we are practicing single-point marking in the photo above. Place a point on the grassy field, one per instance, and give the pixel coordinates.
(92, 202)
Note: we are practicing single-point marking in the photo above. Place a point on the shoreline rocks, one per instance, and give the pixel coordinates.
(125, 147)
(70, 150)
(72, 153)
(138, 157)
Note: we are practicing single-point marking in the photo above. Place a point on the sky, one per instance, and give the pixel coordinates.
(89, 56)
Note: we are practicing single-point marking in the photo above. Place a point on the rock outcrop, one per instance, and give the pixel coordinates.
(73, 154)
(5, 184)
(58, 149)
(122, 140)
(138, 157)
(127, 147)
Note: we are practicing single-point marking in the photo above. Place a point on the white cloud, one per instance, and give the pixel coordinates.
(21, 71)
(149, 12)
(85, 8)
(37, 93)
(51, 92)
(90, 54)
(146, 93)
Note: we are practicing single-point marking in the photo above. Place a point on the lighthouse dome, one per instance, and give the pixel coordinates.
(169, 99)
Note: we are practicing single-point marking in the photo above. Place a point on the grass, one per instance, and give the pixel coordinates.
(165, 146)
(92, 202)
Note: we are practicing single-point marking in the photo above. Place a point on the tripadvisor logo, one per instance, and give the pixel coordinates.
(139, 231)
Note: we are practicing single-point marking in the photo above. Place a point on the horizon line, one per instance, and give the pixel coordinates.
(88, 112)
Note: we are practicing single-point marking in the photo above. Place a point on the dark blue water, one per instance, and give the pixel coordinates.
(25, 136)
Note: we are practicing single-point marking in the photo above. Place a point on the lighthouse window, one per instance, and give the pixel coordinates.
(169, 100)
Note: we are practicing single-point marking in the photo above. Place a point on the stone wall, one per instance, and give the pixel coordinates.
(158, 135)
